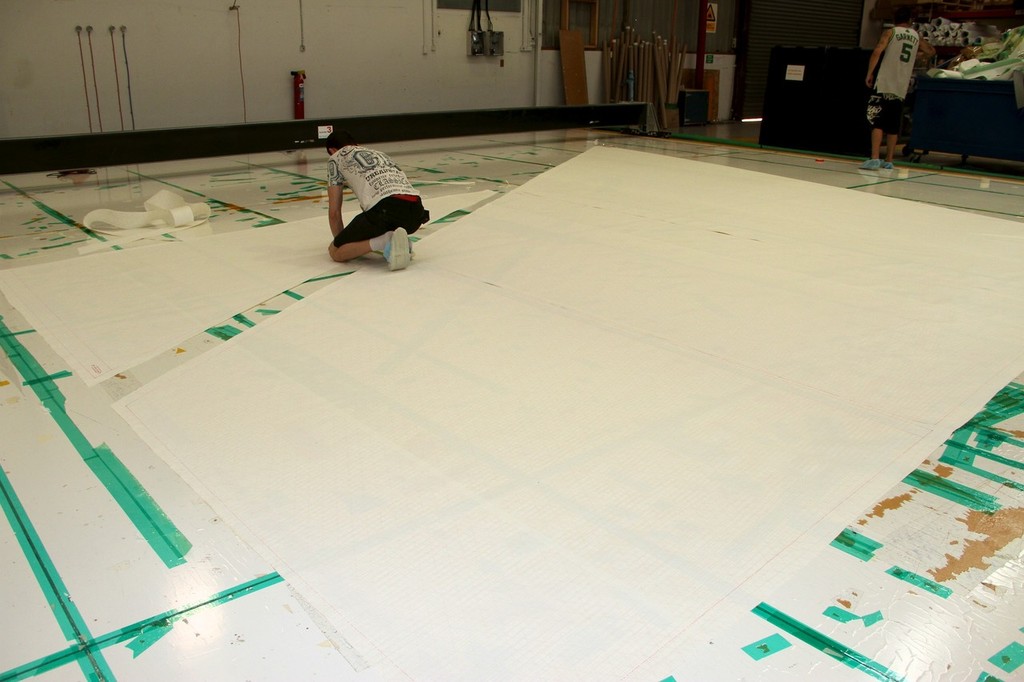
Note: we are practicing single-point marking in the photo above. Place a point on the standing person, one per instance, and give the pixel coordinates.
(900, 45)
(392, 209)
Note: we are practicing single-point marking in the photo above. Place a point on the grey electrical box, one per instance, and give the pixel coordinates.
(495, 43)
(477, 47)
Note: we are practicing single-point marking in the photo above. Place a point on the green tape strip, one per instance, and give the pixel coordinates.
(920, 581)
(158, 530)
(147, 638)
(985, 677)
(827, 645)
(1002, 480)
(70, 621)
(855, 544)
(49, 377)
(772, 644)
(145, 629)
(140, 508)
(452, 217)
(841, 615)
(844, 616)
(243, 320)
(950, 490)
(957, 449)
(872, 618)
(1010, 658)
(224, 332)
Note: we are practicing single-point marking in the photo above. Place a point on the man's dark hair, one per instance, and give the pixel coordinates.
(903, 14)
(339, 139)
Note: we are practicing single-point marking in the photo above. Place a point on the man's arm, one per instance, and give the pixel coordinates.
(334, 198)
(883, 42)
(926, 49)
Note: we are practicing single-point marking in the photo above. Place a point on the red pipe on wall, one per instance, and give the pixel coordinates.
(702, 44)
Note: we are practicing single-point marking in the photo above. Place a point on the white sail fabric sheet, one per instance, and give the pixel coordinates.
(109, 312)
(592, 410)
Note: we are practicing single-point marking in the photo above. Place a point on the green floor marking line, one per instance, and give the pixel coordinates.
(985, 677)
(950, 490)
(1010, 658)
(55, 214)
(855, 544)
(763, 648)
(844, 616)
(59, 246)
(145, 514)
(224, 331)
(920, 581)
(670, 678)
(69, 619)
(267, 311)
(289, 292)
(492, 157)
(826, 645)
(243, 320)
(320, 181)
(268, 220)
(333, 276)
(146, 629)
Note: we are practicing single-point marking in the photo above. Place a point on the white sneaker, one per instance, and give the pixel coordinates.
(397, 252)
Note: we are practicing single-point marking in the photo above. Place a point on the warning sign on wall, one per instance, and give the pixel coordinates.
(712, 17)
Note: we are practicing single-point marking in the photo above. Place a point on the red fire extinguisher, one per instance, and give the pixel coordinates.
(299, 93)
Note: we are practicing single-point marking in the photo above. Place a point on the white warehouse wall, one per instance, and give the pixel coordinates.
(361, 57)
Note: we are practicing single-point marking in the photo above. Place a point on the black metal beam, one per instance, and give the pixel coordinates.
(33, 154)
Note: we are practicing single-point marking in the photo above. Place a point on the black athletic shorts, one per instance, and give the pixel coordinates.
(386, 215)
(885, 111)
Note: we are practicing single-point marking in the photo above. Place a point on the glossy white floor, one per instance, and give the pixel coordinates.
(114, 568)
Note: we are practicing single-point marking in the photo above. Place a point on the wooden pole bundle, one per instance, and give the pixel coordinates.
(654, 68)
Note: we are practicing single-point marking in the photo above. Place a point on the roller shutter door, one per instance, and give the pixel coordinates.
(797, 23)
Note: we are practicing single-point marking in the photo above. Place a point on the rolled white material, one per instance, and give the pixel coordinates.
(164, 210)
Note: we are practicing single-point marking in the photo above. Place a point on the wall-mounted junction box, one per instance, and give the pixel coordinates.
(494, 43)
(486, 43)
(477, 48)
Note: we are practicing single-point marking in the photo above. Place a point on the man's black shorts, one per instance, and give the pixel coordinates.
(387, 214)
(885, 111)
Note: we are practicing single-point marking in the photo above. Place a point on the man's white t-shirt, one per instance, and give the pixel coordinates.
(371, 174)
